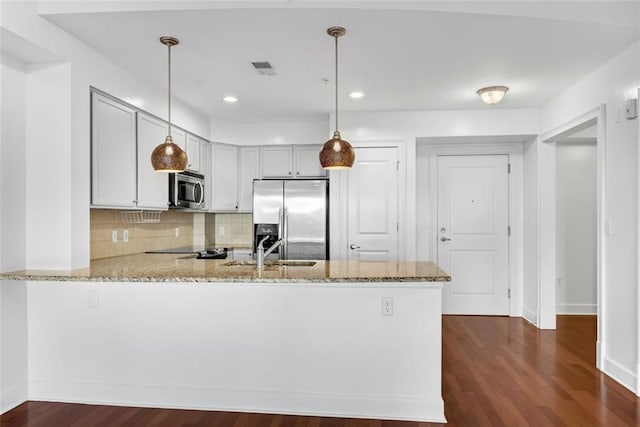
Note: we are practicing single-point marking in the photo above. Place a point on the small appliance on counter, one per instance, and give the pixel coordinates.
(186, 190)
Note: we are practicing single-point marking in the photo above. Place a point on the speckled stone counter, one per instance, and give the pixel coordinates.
(180, 268)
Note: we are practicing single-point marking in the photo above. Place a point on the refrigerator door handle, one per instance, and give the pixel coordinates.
(285, 241)
(280, 224)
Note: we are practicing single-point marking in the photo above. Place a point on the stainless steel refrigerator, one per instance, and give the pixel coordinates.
(296, 211)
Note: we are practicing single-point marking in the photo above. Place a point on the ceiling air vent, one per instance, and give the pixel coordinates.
(264, 68)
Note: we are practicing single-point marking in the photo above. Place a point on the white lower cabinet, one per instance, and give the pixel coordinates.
(224, 186)
(113, 153)
(153, 187)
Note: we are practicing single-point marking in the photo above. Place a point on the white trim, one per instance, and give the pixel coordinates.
(591, 309)
(338, 201)
(638, 263)
(410, 408)
(546, 221)
(514, 151)
(13, 397)
(530, 316)
(619, 373)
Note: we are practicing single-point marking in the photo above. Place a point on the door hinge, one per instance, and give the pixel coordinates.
(398, 226)
(509, 293)
(397, 165)
(508, 167)
(509, 231)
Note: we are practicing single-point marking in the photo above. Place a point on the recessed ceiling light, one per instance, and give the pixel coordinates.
(230, 99)
(356, 95)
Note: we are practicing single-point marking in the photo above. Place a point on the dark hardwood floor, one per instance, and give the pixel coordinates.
(496, 372)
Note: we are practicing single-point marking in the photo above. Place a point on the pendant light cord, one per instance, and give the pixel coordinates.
(336, 37)
(169, 103)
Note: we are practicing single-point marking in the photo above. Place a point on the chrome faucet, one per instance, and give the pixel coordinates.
(261, 253)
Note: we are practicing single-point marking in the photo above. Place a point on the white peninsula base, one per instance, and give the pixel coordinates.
(294, 348)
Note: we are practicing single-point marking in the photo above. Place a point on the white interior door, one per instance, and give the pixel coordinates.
(373, 205)
(473, 221)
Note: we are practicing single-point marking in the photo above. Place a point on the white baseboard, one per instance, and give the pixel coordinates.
(12, 397)
(409, 408)
(619, 373)
(590, 309)
(530, 315)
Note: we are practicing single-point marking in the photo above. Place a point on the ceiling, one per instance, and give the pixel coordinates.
(404, 55)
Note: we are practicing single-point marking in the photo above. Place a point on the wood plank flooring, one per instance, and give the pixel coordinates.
(497, 371)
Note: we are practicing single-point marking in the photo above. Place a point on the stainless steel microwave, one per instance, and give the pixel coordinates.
(186, 190)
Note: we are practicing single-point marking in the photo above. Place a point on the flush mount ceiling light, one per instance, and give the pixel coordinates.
(168, 156)
(230, 99)
(356, 94)
(492, 94)
(337, 153)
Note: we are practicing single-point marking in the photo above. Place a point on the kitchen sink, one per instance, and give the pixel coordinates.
(268, 263)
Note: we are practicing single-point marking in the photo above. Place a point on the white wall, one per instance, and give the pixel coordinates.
(86, 68)
(576, 183)
(611, 84)
(269, 133)
(12, 165)
(13, 344)
(49, 165)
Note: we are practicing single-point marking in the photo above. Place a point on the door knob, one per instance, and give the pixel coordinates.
(354, 246)
(444, 239)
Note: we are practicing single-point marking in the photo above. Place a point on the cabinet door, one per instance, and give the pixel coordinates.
(277, 162)
(113, 153)
(193, 153)
(153, 187)
(179, 136)
(225, 178)
(205, 169)
(307, 161)
(248, 170)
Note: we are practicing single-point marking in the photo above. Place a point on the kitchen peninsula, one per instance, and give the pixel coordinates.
(350, 339)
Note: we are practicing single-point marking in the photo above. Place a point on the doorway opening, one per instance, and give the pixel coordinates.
(572, 208)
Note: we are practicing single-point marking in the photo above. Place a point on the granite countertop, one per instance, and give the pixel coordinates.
(180, 268)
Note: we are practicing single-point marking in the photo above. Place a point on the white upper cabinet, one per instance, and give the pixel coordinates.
(193, 153)
(153, 187)
(307, 161)
(205, 169)
(113, 153)
(248, 170)
(286, 161)
(224, 194)
(277, 162)
(179, 136)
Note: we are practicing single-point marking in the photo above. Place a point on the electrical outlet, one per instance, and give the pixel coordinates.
(387, 306)
(114, 236)
(221, 230)
(177, 231)
(125, 236)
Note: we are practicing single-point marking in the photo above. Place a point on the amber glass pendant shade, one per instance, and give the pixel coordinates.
(337, 153)
(169, 157)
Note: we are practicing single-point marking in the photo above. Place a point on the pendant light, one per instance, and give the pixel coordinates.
(168, 156)
(337, 153)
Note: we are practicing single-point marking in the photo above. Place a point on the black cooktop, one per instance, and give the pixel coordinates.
(203, 253)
